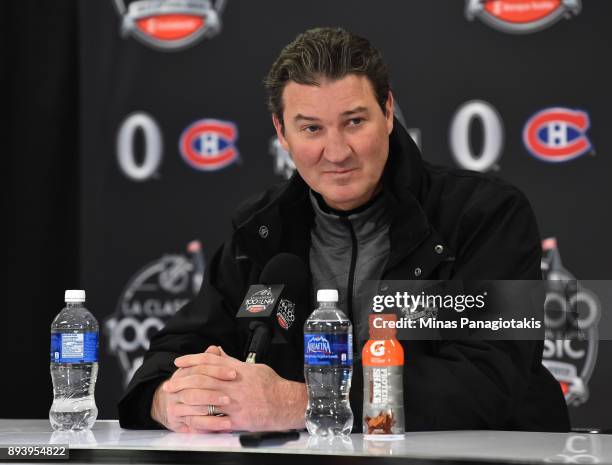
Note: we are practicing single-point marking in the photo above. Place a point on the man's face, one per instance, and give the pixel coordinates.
(338, 137)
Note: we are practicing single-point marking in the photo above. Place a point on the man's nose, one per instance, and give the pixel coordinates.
(336, 149)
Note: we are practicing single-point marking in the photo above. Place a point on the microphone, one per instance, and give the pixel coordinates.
(277, 307)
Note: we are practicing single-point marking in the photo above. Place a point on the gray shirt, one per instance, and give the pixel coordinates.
(332, 249)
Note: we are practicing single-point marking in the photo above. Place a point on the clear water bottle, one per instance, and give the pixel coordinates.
(74, 365)
(328, 367)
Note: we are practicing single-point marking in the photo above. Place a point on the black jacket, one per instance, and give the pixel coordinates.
(487, 231)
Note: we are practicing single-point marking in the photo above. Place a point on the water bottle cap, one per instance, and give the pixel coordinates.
(74, 295)
(327, 295)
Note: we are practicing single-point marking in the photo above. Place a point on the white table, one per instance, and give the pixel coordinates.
(108, 443)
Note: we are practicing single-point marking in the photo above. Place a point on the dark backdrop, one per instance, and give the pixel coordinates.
(79, 217)
(42, 199)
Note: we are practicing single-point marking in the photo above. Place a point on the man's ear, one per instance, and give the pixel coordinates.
(278, 126)
(389, 112)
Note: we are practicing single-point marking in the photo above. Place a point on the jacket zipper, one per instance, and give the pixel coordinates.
(351, 276)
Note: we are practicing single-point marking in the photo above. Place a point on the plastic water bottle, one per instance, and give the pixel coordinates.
(328, 367)
(74, 365)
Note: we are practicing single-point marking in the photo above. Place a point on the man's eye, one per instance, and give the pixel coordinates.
(356, 121)
(311, 129)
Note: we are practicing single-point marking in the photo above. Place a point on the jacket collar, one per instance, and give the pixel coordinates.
(283, 223)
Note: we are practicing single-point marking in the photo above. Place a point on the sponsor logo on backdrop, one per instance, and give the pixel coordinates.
(571, 316)
(521, 16)
(209, 144)
(170, 24)
(557, 134)
(150, 298)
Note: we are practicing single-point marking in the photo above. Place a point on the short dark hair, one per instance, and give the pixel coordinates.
(330, 53)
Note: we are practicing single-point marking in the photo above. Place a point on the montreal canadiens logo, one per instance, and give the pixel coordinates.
(209, 144)
(170, 24)
(557, 134)
(521, 16)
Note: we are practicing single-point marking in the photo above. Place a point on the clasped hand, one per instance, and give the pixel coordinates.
(251, 397)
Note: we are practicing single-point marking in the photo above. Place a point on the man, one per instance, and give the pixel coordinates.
(362, 206)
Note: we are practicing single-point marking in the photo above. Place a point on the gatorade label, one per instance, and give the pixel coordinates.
(328, 349)
(384, 352)
(74, 347)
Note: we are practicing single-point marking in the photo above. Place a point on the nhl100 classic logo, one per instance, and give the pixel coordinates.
(571, 316)
(318, 345)
(258, 302)
(150, 298)
(521, 16)
(170, 24)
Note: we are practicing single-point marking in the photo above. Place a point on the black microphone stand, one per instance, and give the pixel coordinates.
(259, 342)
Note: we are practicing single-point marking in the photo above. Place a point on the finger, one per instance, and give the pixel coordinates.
(178, 427)
(223, 373)
(183, 410)
(199, 359)
(213, 350)
(182, 429)
(208, 423)
(194, 382)
(202, 397)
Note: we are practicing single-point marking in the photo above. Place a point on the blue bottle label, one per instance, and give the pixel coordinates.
(328, 349)
(74, 347)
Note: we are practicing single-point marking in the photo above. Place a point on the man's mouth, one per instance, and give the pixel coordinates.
(338, 172)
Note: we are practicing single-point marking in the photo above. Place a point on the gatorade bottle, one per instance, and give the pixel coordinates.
(383, 364)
